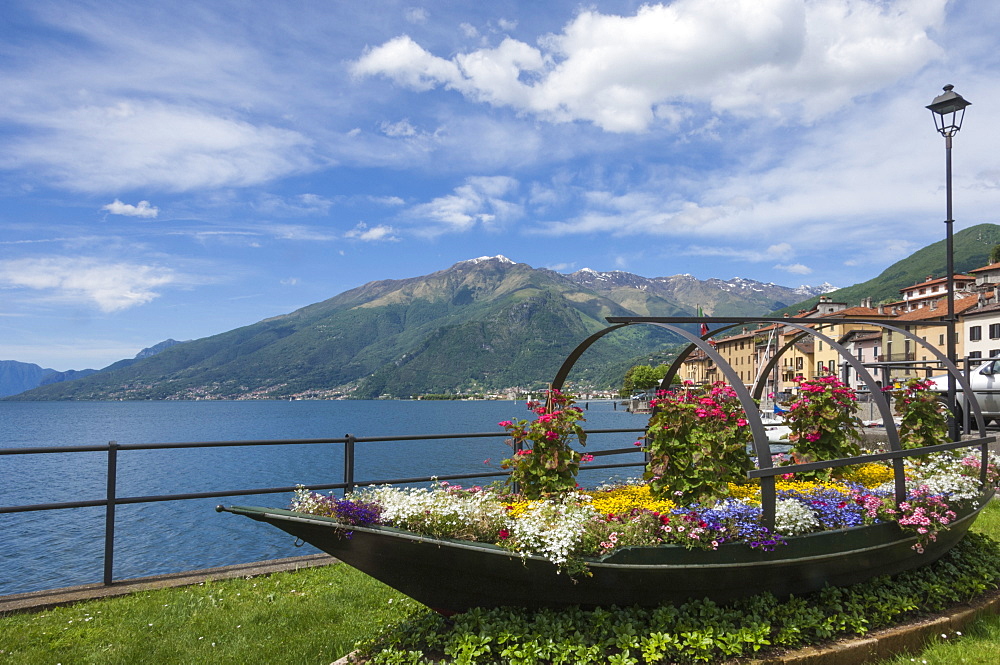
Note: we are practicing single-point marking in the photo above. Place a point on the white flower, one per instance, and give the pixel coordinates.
(792, 517)
(551, 529)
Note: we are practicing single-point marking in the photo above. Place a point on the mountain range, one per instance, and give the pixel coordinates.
(483, 324)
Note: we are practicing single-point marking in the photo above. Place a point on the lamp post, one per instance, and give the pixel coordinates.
(948, 110)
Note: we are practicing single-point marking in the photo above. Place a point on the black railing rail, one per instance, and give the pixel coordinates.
(349, 483)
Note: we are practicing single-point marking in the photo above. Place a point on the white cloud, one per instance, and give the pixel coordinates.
(131, 145)
(406, 62)
(480, 201)
(747, 57)
(416, 15)
(379, 232)
(297, 232)
(301, 204)
(393, 201)
(794, 268)
(109, 286)
(401, 128)
(142, 209)
(770, 253)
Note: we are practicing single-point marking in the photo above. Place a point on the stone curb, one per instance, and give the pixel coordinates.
(887, 643)
(41, 600)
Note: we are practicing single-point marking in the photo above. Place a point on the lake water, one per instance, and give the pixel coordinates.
(57, 548)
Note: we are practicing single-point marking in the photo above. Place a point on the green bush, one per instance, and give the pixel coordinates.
(699, 631)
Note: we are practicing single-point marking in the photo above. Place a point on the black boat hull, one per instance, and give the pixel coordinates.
(453, 576)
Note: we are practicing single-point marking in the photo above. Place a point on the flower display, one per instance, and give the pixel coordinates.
(823, 423)
(544, 461)
(567, 527)
(697, 443)
(922, 417)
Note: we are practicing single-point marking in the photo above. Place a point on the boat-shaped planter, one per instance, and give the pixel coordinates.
(454, 575)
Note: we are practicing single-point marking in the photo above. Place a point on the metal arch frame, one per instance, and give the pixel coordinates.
(560, 378)
(682, 356)
(952, 369)
(766, 472)
(761, 444)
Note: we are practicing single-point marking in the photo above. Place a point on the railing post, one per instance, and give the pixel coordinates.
(349, 463)
(109, 514)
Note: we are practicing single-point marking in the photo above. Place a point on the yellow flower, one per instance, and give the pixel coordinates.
(518, 508)
(750, 492)
(627, 497)
(870, 475)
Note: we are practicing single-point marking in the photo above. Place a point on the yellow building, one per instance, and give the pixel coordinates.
(826, 359)
(900, 349)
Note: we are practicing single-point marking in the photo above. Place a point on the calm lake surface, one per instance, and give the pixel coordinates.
(57, 548)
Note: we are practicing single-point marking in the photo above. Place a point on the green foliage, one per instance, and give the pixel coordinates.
(643, 377)
(544, 462)
(695, 632)
(697, 443)
(995, 254)
(824, 424)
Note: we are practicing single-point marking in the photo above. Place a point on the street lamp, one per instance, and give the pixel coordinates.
(948, 110)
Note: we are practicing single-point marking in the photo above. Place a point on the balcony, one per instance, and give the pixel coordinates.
(897, 357)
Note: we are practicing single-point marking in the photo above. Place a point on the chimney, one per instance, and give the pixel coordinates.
(881, 309)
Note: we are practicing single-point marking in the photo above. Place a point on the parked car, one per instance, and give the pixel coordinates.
(985, 383)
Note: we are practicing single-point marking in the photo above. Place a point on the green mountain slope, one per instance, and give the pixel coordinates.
(972, 250)
(483, 324)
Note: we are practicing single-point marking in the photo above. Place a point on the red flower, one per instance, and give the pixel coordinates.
(504, 534)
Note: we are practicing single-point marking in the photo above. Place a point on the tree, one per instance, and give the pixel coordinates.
(995, 254)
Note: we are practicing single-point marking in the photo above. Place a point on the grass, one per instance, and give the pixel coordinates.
(980, 644)
(309, 616)
(312, 616)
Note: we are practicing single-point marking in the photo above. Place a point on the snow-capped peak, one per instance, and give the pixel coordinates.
(499, 257)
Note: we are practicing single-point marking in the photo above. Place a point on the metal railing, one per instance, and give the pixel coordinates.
(111, 499)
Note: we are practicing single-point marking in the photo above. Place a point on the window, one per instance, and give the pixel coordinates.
(995, 331)
(800, 363)
(820, 367)
(940, 340)
(994, 353)
(975, 354)
(975, 333)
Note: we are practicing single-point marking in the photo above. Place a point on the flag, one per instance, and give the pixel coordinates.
(704, 327)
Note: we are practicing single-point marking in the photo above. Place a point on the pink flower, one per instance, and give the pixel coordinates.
(505, 423)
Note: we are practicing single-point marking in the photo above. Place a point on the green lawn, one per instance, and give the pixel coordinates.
(310, 616)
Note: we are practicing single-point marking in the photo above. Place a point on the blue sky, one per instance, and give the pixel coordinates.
(179, 169)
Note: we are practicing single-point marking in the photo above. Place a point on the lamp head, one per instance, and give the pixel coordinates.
(948, 110)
